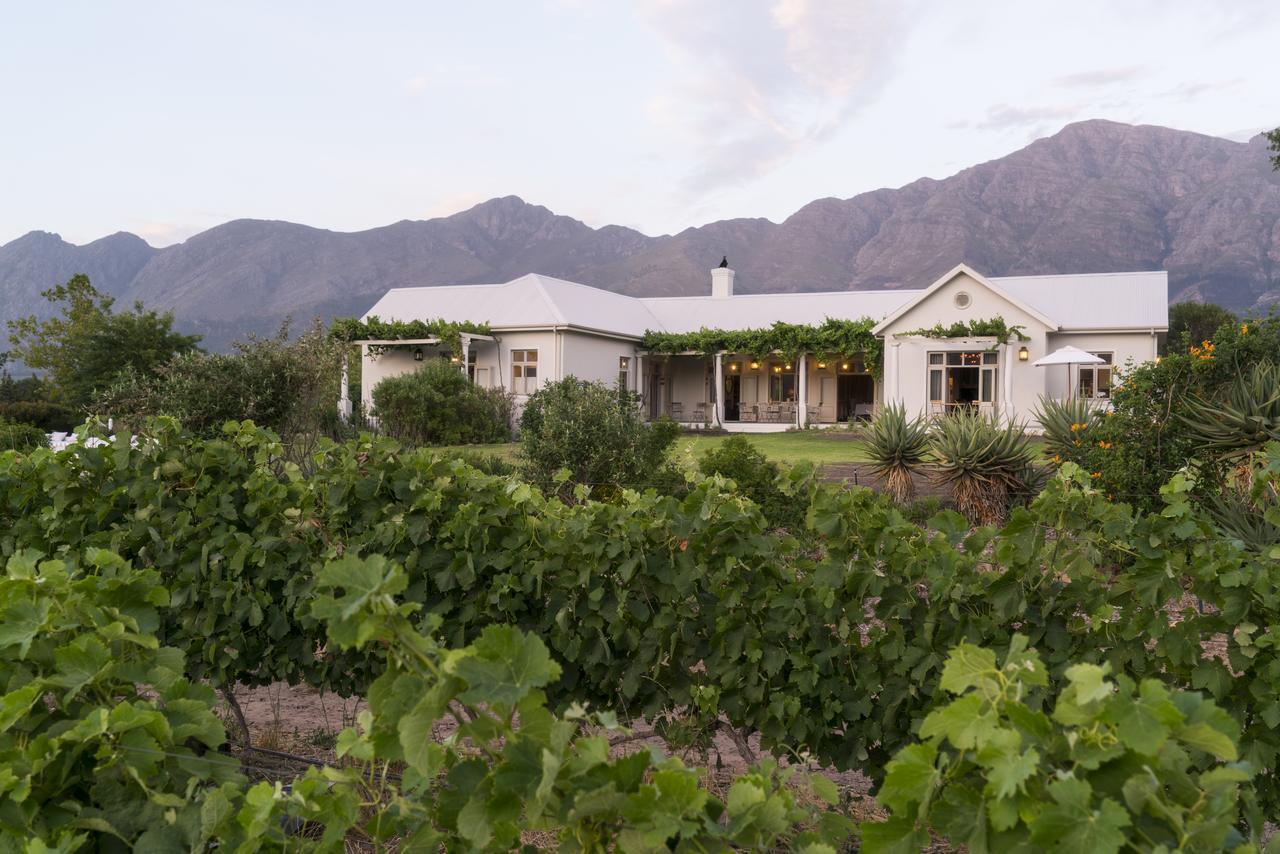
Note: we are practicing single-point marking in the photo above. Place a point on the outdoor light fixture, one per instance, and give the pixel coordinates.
(454, 359)
(417, 354)
(733, 366)
(777, 369)
(844, 366)
(1023, 354)
(755, 365)
(788, 366)
(822, 364)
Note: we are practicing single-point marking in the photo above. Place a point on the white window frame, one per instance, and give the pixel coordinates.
(1091, 371)
(521, 362)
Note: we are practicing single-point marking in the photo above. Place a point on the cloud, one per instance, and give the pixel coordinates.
(1191, 91)
(1099, 77)
(757, 82)
(1005, 117)
(416, 85)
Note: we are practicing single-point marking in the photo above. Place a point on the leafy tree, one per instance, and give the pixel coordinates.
(88, 345)
(288, 386)
(1273, 137)
(595, 434)
(438, 405)
(1193, 322)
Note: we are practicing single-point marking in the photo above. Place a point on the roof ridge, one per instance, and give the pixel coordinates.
(537, 281)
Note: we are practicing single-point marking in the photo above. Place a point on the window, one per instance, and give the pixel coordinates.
(782, 383)
(958, 379)
(624, 374)
(524, 371)
(1095, 380)
(962, 299)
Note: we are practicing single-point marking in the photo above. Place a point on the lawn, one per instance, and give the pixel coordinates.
(787, 448)
(817, 446)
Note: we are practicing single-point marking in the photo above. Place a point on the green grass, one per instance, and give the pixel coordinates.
(817, 446)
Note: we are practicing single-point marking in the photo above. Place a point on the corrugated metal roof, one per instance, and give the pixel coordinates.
(1096, 300)
(753, 311)
(1090, 301)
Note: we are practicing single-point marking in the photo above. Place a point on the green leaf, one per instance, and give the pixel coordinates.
(963, 722)
(966, 666)
(910, 777)
(21, 622)
(1144, 723)
(894, 836)
(1204, 737)
(16, 704)
(503, 665)
(1074, 824)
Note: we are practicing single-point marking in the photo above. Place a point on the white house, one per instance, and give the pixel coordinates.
(544, 329)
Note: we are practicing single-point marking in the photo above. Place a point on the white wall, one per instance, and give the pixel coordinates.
(595, 358)
(1019, 384)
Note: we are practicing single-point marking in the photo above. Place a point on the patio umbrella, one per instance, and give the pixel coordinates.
(1069, 356)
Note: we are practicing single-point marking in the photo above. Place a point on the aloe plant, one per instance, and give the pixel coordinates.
(896, 447)
(1067, 424)
(1242, 419)
(983, 461)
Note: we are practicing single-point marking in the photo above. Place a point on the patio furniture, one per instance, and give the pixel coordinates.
(772, 413)
(749, 413)
(677, 411)
(863, 411)
(812, 414)
(699, 413)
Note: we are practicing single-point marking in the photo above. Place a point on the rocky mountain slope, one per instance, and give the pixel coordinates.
(1097, 196)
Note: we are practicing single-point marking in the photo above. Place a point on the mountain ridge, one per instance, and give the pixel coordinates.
(1097, 196)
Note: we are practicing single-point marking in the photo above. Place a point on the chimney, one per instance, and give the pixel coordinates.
(722, 280)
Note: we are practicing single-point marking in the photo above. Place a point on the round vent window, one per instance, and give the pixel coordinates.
(962, 300)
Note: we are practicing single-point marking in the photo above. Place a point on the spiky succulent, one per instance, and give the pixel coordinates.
(1242, 419)
(896, 446)
(984, 462)
(1068, 425)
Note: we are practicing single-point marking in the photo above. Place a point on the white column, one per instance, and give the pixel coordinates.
(719, 389)
(897, 371)
(802, 407)
(344, 390)
(466, 352)
(1006, 384)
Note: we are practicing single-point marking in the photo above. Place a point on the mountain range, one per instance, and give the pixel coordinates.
(1096, 196)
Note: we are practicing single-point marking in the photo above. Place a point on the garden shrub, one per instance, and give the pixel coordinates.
(287, 386)
(16, 436)
(756, 477)
(922, 510)
(438, 405)
(597, 435)
(985, 463)
(493, 464)
(48, 416)
(896, 447)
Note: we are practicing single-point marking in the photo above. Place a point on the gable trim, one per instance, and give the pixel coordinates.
(946, 279)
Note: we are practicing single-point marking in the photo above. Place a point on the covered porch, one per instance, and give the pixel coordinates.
(743, 393)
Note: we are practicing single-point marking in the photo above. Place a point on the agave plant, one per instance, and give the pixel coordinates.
(1068, 425)
(1243, 419)
(896, 447)
(984, 462)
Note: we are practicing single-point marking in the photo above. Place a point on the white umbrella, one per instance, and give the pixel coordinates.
(1069, 356)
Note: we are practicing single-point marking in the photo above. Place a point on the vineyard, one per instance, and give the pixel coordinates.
(1083, 678)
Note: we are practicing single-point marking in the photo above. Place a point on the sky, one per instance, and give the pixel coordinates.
(165, 118)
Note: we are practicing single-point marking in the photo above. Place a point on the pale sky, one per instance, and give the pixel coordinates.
(166, 118)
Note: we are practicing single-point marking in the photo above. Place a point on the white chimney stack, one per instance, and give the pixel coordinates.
(722, 280)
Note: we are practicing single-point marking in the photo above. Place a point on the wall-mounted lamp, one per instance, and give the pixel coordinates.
(1023, 354)
(755, 365)
(788, 366)
(844, 366)
(454, 359)
(733, 366)
(777, 369)
(822, 364)
(417, 354)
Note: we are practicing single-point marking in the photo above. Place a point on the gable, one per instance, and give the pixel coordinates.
(960, 296)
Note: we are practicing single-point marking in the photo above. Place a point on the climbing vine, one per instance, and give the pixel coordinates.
(994, 327)
(352, 329)
(833, 339)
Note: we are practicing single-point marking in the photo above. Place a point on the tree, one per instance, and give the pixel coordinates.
(1273, 136)
(1193, 322)
(87, 346)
